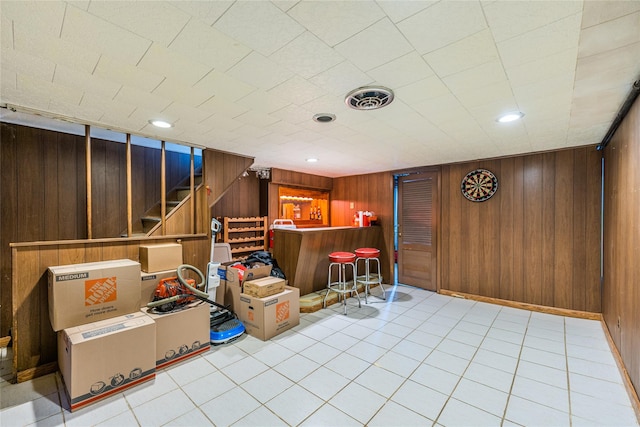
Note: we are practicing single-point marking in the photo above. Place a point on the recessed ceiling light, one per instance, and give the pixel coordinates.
(312, 160)
(510, 117)
(324, 117)
(160, 124)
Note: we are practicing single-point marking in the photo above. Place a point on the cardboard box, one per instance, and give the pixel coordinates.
(181, 335)
(160, 257)
(231, 285)
(263, 287)
(103, 358)
(267, 317)
(85, 293)
(149, 283)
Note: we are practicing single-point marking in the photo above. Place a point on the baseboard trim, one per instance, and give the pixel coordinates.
(526, 306)
(631, 391)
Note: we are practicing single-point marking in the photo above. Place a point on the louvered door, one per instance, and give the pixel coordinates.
(417, 201)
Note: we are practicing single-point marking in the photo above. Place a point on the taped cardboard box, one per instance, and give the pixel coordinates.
(86, 293)
(263, 287)
(264, 318)
(181, 335)
(100, 359)
(149, 283)
(232, 279)
(160, 257)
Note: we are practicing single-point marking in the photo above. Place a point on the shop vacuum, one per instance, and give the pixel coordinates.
(175, 293)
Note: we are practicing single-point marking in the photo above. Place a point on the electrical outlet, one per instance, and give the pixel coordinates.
(351, 205)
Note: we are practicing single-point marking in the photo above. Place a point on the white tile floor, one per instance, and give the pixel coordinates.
(418, 359)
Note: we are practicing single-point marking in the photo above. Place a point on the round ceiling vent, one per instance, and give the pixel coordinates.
(369, 98)
(324, 117)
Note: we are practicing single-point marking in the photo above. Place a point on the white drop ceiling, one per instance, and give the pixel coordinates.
(248, 76)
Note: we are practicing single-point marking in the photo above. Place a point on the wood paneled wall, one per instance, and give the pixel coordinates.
(34, 341)
(221, 172)
(242, 199)
(372, 192)
(43, 190)
(290, 179)
(621, 288)
(536, 240)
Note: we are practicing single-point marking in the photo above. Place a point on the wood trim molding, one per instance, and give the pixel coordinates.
(626, 379)
(525, 306)
(106, 240)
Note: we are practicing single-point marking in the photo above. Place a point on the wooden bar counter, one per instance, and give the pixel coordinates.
(303, 253)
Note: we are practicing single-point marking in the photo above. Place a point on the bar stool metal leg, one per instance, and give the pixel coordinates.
(341, 286)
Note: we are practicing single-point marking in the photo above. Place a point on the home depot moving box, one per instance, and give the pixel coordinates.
(181, 334)
(267, 317)
(149, 283)
(85, 293)
(103, 358)
(160, 257)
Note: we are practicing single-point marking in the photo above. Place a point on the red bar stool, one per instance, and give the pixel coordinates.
(342, 287)
(367, 255)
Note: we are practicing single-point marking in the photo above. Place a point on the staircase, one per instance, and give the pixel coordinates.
(152, 218)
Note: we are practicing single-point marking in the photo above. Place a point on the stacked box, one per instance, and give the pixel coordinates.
(181, 334)
(267, 317)
(103, 358)
(86, 293)
(263, 287)
(160, 257)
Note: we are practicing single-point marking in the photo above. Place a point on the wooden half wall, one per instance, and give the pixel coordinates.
(221, 170)
(34, 341)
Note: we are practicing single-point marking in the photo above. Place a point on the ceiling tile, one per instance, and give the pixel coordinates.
(221, 123)
(561, 63)
(375, 45)
(181, 93)
(223, 107)
(596, 12)
(336, 21)
(6, 32)
(263, 102)
(543, 90)
(270, 73)
(608, 69)
(143, 99)
(85, 82)
(8, 79)
(282, 127)
(159, 23)
(440, 109)
(250, 132)
(195, 115)
(55, 49)
(207, 11)
(297, 90)
(19, 62)
(397, 10)
(126, 75)
(80, 112)
(257, 119)
(259, 25)
(542, 42)
(162, 61)
(610, 35)
(223, 86)
(403, 71)
(469, 52)
(499, 92)
(442, 24)
(87, 31)
(40, 16)
(307, 56)
(97, 103)
(508, 19)
(67, 94)
(341, 79)
(293, 114)
(431, 87)
(482, 75)
(206, 45)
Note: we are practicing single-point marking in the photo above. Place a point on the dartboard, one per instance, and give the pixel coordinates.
(479, 185)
